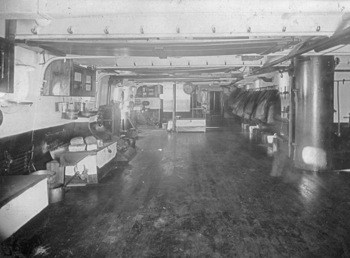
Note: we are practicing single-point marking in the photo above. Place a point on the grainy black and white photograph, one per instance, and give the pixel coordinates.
(174, 128)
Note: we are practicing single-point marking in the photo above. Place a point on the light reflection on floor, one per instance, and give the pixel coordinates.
(309, 189)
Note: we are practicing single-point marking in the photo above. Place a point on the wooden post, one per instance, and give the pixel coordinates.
(113, 119)
(174, 107)
(161, 107)
(192, 104)
(338, 108)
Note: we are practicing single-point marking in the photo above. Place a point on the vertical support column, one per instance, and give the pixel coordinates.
(113, 119)
(160, 107)
(338, 109)
(291, 125)
(193, 103)
(314, 112)
(109, 91)
(174, 107)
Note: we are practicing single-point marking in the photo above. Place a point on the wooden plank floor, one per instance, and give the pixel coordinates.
(196, 195)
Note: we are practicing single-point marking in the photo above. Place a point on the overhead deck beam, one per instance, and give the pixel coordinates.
(182, 26)
(56, 9)
(173, 19)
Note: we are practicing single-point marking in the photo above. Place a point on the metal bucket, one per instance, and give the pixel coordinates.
(55, 190)
(51, 177)
(56, 194)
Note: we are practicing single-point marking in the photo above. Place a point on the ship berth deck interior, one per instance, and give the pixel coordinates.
(174, 128)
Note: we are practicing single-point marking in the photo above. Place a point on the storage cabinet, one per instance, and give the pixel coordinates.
(83, 82)
(64, 78)
(147, 92)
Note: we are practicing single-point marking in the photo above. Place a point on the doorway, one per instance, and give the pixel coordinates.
(215, 103)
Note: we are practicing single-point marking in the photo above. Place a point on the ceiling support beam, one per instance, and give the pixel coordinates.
(192, 26)
(57, 9)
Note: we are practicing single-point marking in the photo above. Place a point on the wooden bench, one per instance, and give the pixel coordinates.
(191, 125)
(21, 198)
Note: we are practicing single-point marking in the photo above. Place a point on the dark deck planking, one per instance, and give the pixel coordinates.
(196, 195)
